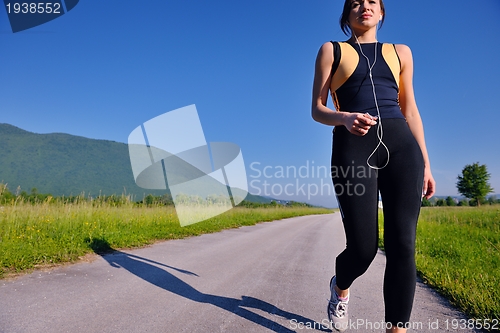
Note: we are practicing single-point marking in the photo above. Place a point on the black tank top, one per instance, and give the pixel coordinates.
(355, 94)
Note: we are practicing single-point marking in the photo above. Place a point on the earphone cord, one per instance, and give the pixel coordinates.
(380, 130)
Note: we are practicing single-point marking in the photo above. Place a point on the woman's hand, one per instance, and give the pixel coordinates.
(429, 184)
(359, 123)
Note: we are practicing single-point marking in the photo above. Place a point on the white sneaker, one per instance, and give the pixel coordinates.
(337, 309)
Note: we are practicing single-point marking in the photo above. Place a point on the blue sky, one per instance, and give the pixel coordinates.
(106, 67)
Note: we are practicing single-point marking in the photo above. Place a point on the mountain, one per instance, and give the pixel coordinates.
(63, 164)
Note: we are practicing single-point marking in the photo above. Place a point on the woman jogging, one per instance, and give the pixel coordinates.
(378, 145)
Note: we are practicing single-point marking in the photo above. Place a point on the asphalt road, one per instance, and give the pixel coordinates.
(272, 277)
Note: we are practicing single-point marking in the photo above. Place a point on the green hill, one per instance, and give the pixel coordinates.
(63, 164)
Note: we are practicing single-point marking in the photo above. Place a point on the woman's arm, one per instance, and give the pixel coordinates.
(356, 123)
(412, 115)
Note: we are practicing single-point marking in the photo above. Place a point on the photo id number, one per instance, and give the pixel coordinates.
(33, 8)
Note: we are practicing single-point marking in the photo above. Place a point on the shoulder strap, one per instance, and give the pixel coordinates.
(392, 60)
(348, 59)
(336, 57)
(396, 51)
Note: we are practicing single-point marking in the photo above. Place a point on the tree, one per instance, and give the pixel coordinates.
(450, 201)
(473, 183)
(149, 200)
(426, 203)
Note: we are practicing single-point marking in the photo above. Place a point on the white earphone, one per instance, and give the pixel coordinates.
(380, 130)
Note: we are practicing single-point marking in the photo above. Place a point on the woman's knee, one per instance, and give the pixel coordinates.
(364, 257)
(400, 252)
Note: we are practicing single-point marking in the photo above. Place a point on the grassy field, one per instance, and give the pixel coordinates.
(458, 253)
(458, 248)
(48, 233)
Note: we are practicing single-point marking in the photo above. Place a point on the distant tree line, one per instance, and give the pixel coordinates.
(273, 203)
(166, 199)
(34, 197)
(449, 201)
(150, 200)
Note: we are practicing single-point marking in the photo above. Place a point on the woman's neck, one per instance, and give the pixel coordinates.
(363, 37)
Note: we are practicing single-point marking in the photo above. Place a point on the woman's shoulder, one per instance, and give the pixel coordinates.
(403, 50)
(327, 46)
(325, 52)
(405, 56)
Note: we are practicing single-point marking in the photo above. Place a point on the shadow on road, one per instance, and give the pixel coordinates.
(150, 271)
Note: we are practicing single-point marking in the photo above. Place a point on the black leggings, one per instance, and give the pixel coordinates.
(357, 187)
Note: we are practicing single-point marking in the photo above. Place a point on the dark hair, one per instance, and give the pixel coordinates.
(344, 18)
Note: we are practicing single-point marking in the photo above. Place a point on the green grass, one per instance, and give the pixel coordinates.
(48, 233)
(458, 254)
